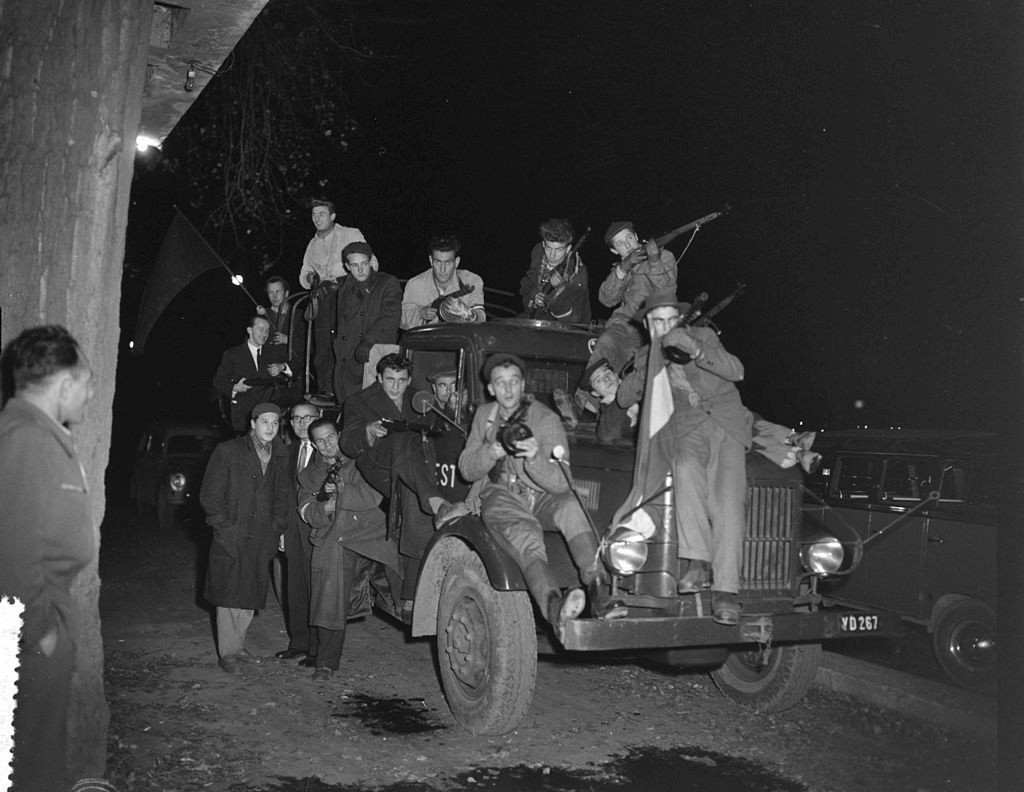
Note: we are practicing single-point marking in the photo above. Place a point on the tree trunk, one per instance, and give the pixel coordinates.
(71, 78)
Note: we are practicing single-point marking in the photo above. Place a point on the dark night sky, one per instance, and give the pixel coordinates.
(868, 151)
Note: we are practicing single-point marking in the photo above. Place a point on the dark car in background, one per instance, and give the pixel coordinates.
(924, 506)
(169, 466)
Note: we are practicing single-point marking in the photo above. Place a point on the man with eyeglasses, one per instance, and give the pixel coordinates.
(297, 549)
(443, 293)
(555, 287)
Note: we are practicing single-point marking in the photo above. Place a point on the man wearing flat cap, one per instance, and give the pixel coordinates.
(511, 447)
(711, 433)
(641, 271)
(369, 309)
(245, 497)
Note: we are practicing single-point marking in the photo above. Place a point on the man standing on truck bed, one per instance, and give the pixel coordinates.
(512, 442)
(711, 432)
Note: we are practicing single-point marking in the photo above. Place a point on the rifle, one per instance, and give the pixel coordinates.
(664, 239)
(705, 319)
(694, 318)
(543, 280)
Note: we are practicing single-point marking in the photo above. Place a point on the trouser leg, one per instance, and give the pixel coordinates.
(296, 590)
(564, 512)
(502, 512)
(616, 344)
(690, 488)
(332, 641)
(329, 646)
(40, 716)
(727, 490)
(323, 342)
(232, 624)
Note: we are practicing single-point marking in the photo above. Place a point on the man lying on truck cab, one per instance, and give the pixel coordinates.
(513, 442)
(711, 432)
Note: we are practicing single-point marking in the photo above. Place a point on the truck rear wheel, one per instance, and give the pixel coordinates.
(965, 644)
(770, 681)
(486, 649)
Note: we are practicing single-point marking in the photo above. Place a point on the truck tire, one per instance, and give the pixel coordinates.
(964, 641)
(770, 682)
(486, 649)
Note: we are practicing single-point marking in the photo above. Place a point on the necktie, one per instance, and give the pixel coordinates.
(259, 359)
(304, 454)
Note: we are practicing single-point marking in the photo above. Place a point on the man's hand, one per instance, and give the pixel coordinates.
(375, 431)
(276, 368)
(48, 643)
(680, 337)
(527, 449)
(261, 310)
(280, 543)
(498, 450)
(633, 258)
(240, 386)
(556, 279)
(280, 338)
(651, 250)
(428, 314)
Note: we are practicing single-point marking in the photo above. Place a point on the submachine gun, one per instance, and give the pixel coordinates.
(697, 317)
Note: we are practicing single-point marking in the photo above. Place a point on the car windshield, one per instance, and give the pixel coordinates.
(190, 444)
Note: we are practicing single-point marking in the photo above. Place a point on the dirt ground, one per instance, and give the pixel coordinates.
(180, 723)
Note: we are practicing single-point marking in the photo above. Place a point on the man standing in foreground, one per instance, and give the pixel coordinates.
(244, 495)
(527, 491)
(46, 538)
(711, 433)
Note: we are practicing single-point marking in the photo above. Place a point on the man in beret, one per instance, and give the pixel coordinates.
(525, 492)
(369, 309)
(641, 271)
(323, 264)
(711, 433)
(245, 497)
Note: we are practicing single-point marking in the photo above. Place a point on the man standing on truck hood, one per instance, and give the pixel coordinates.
(711, 433)
(526, 491)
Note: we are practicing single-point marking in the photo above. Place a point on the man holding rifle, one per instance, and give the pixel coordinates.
(555, 289)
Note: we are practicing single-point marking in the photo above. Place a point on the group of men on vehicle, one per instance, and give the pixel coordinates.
(324, 491)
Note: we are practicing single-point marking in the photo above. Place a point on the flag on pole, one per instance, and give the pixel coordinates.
(184, 256)
(654, 448)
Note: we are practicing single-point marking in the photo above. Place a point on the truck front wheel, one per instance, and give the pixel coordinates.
(486, 649)
(772, 680)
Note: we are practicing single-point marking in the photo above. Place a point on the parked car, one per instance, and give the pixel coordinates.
(923, 505)
(169, 467)
(467, 592)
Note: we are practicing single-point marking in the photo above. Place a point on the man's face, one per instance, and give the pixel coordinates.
(625, 242)
(444, 263)
(660, 320)
(323, 218)
(444, 389)
(265, 425)
(259, 332)
(325, 438)
(277, 294)
(302, 416)
(359, 265)
(394, 383)
(554, 253)
(75, 392)
(506, 386)
(604, 383)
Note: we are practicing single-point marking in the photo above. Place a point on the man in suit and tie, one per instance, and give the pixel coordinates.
(246, 374)
(245, 497)
(297, 549)
(380, 433)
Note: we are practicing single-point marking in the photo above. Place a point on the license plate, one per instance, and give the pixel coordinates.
(858, 623)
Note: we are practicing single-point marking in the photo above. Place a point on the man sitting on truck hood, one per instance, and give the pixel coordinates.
(513, 443)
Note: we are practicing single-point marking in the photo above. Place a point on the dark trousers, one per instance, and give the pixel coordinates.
(400, 454)
(323, 340)
(40, 717)
(298, 552)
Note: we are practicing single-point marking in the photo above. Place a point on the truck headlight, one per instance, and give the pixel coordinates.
(822, 556)
(177, 482)
(625, 551)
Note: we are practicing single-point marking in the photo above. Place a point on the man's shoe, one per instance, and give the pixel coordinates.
(565, 607)
(308, 662)
(726, 608)
(322, 674)
(448, 512)
(696, 579)
(289, 654)
(229, 663)
(602, 604)
(803, 440)
(322, 399)
(245, 656)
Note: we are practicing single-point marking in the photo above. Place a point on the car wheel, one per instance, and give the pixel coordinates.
(486, 649)
(964, 640)
(770, 681)
(166, 513)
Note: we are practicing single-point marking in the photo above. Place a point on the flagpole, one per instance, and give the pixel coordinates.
(240, 284)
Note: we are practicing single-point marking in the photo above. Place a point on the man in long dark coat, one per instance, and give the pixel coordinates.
(244, 495)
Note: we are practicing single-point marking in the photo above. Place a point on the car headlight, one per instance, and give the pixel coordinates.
(625, 551)
(823, 555)
(177, 482)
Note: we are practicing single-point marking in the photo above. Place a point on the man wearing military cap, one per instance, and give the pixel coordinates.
(244, 495)
(711, 433)
(641, 271)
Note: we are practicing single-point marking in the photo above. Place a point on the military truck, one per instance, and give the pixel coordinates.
(468, 593)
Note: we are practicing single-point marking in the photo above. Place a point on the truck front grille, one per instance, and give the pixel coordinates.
(768, 552)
